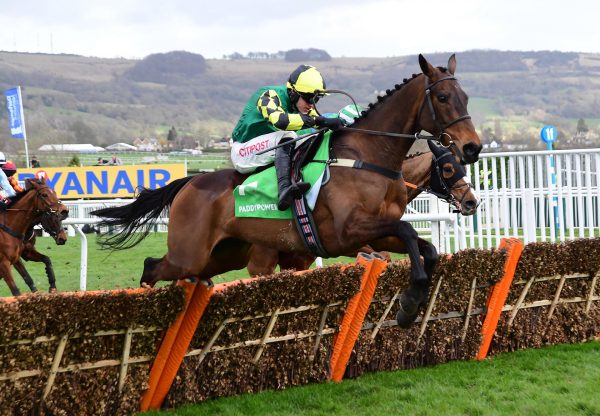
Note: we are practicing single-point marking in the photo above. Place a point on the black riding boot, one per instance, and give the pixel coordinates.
(287, 190)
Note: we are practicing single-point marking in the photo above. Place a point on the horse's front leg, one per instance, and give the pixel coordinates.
(6, 273)
(404, 240)
(31, 254)
(20, 267)
(430, 256)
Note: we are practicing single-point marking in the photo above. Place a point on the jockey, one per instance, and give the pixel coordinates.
(272, 116)
(10, 169)
(6, 190)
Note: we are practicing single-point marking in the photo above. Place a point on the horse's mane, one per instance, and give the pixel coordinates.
(390, 92)
(20, 195)
(412, 156)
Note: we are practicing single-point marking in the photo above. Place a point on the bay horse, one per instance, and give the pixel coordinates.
(25, 210)
(437, 172)
(357, 207)
(52, 224)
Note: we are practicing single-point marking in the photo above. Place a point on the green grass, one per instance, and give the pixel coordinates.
(558, 380)
(485, 106)
(106, 270)
(195, 163)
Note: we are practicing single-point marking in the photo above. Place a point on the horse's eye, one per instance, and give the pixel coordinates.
(448, 170)
(442, 98)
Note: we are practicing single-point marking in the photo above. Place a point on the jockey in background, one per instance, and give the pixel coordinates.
(272, 116)
(6, 191)
(10, 169)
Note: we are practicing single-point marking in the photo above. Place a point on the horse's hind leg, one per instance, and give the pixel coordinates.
(262, 260)
(20, 267)
(148, 275)
(228, 254)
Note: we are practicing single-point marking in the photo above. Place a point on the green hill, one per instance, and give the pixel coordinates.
(76, 99)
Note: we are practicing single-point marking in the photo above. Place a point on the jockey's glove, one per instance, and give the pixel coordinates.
(333, 123)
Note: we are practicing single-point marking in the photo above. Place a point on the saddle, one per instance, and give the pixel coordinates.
(256, 197)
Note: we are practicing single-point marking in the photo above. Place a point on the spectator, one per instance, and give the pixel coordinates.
(35, 163)
(101, 162)
(115, 160)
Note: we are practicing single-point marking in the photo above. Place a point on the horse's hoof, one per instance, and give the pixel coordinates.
(405, 320)
(145, 285)
(207, 282)
(407, 313)
(52, 290)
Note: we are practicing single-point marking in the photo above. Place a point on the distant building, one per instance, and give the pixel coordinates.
(219, 145)
(71, 147)
(120, 147)
(149, 144)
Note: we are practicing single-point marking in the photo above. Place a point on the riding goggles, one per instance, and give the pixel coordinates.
(310, 98)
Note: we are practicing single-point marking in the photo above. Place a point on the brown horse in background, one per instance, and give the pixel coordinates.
(357, 206)
(437, 172)
(26, 209)
(52, 224)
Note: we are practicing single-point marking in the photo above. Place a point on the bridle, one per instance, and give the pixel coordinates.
(449, 143)
(49, 217)
(50, 209)
(442, 187)
(442, 127)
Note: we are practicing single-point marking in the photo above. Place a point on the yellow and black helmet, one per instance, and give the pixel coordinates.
(307, 82)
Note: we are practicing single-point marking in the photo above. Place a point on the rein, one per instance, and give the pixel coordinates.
(441, 128)
(389, 134)
(12, 232)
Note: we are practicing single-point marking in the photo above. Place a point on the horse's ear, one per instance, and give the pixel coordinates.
(452, 64)
(426, 67)
(34, 182)
(435, 148)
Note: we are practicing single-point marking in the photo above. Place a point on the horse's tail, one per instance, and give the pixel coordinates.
(140, 215)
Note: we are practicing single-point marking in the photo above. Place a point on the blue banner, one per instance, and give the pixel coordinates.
(14, 106)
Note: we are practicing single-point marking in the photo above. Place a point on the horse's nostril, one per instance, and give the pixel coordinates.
(472, 150)
(469, 205)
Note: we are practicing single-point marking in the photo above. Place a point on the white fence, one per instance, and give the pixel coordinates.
(537, 196)
(518, 194)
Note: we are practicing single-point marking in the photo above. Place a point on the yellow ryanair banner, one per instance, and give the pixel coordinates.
(104, 181)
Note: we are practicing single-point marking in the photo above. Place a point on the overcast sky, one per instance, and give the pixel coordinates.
(377, 28)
